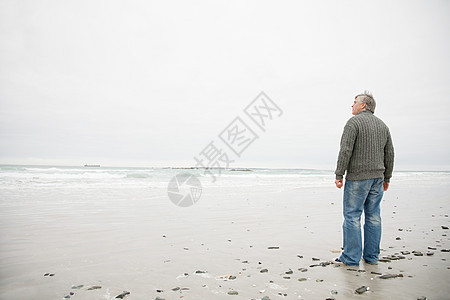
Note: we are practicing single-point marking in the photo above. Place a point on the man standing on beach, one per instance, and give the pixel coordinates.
(367, 154)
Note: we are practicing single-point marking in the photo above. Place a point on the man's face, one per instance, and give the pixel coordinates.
(357, 107)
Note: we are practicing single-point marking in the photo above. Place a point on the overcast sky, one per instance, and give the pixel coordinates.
(152, 83)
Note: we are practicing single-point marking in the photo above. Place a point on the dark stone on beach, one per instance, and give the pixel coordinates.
(444, 227)
(51, 274)
(302, 279)
(159, 291)
(265, 298)
(395, 257)
(71, 293)
(95, 287)
(376, 273)
(158, 298)
(388, 276)
(245, 261)
(273, 248)
(384, 260)
(432, 248)
(445, 250)
(77, 287)
(122, 295)
(362, 290)
(417, 253)
(176, 289)
(334, 292)
(303, 269)
(233, 293)
(400, 229)
(422, 298)
(319, 280)
(300, 256)
(286, 277)
(405, 252)
(398, 238)
(289, 272)
(185, 289)
(46, 274)
(322, 264)
(200, 272)
(66, 296)
(430, 253)
(315, 259)
(264, 271)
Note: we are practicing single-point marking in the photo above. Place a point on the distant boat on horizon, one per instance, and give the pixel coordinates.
(92, 166)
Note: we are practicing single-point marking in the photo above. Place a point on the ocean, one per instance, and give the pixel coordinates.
(48, 177)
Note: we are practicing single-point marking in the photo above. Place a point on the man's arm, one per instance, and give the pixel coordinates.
(388, 160)
(345, 153)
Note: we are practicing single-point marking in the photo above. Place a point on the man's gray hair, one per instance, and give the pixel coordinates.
(368, 99)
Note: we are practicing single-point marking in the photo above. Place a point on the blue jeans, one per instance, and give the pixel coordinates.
(359, 196)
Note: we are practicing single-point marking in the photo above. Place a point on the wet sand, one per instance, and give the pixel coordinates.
(55, 242)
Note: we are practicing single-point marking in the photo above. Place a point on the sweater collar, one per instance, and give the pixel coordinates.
(365, 111)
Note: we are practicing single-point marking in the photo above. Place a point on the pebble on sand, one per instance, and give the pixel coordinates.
(77, 287)
(95, 287)
(233, 293)
(362, 289)
(389, 276)
(122, 295)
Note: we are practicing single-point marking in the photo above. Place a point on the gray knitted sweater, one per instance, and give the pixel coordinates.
(366, 149)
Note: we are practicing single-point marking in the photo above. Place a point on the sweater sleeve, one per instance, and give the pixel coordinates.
(388, 159)
(345, 153)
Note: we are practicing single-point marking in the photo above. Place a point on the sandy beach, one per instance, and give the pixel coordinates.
(237, 242)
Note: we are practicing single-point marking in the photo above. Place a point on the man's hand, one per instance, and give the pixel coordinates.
(385, 185)
(339, 183)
